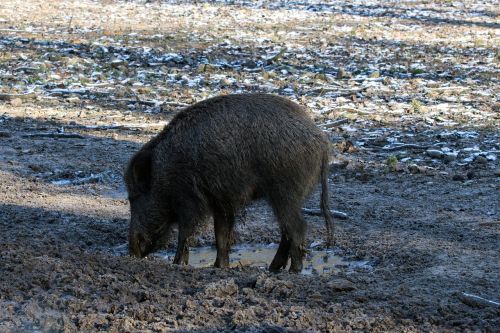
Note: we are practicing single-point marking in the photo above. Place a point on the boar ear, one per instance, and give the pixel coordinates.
(141, 170)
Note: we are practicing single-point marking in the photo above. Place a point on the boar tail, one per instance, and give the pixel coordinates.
(324, 201)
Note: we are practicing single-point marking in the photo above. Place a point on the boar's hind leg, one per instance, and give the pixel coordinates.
(182, 254)
(223, 225)
(281, 258)
(293, 229)
(294, 226)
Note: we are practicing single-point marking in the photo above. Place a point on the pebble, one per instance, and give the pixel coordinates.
(434, 153)
(341, 285)
(221, 288)
(480, 159)
(413, 168)
(73, 100)
(225, 82)
(449, 157)
(342, 73)
(16, 102)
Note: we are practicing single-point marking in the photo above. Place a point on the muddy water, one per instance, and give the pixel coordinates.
(316, 262)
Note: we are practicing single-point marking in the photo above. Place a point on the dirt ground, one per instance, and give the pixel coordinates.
(406, 91)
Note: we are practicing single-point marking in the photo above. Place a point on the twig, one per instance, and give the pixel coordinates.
(118, 126)
(276, 56)
(339, 92)
(63, 92)
(175, 104)
(135, 101)
(79, 181)
(477, 301)
(148, 103)
(10, 97)
(405, 146)
(54, 135)
(487, 224)
(59, 91)
(19, 30)
(336, 123)
(318, 212)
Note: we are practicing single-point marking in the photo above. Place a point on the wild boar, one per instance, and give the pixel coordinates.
(215, 157)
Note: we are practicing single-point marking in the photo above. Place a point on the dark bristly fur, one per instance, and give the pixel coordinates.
(214, 158)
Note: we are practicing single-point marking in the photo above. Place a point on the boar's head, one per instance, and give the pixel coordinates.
(149, 225)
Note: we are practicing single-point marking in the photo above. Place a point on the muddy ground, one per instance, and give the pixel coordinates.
(407, 93)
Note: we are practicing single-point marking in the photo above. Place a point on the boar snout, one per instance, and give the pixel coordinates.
(139, 245)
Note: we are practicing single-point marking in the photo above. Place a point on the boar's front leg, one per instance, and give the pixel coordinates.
(223, 225)
(186, 228)
(182, 254)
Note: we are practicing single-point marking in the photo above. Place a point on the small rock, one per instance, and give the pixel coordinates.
(225, 82)
(375, 75)
(73, 100)
(434, 153)
(35, 167)
(270, 285)
(449, 157)
(341, 285)
(363, 176)
(458, 177)
(249, 64)
(399, 167)
(5, 134)
(480, 159)
(16, 102)
(342, 73)
(221, 288)
(413, 168)
(116, 63)
(497, 172)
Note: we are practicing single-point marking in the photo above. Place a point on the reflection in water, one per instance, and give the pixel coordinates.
(259, 255)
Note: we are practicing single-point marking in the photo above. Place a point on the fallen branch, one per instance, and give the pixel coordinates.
(336, 123)
(318, 212)
(477, 301)
(19, 31)
(339, 92)
(135, 101)
(487, 224)
(175, 104)
(64, 92)
(10, 97)
(277, 56)
(405, 146)
(81, 92)
(54, 135)
(148, 102)
(60, 91)
(131, 127)
(79, 181)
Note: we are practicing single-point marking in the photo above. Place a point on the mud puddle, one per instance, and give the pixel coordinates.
(316, 262)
